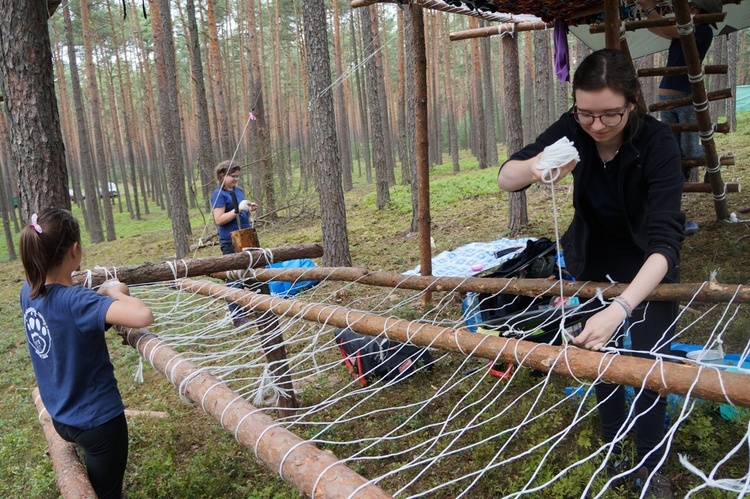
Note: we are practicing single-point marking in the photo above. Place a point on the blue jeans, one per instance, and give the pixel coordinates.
(689, 142)
(106, 452)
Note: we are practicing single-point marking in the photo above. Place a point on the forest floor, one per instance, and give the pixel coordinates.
(188, 454)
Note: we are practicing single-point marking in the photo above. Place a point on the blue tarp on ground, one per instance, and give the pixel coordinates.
(283, 289)
(742, 99)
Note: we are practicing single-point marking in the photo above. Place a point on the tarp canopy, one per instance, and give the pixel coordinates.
(642, 42)
(742, 99)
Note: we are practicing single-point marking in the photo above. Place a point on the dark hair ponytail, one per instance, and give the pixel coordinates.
(610, 68)
(44, 243)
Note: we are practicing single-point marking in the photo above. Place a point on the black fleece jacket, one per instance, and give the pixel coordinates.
(649, 190)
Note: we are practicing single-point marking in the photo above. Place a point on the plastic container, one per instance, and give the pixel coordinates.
(706, 356)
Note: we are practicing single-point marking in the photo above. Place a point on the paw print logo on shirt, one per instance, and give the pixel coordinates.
(37, 332)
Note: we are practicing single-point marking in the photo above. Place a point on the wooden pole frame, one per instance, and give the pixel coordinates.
(313, 472)
(576, 363)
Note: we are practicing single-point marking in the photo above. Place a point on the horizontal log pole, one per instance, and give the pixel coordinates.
(664, 21)
(571, 362)
(70, 474)
(313, 472)
(694, 127)
(711, 292)
(176, 269)
(499, 30)
(682, 70)
(688, 101)
(705, 187)
(727, 160)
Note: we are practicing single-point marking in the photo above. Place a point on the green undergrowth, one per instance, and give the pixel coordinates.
(190, 455)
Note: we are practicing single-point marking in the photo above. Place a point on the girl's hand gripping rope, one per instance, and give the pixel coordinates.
(556, 161)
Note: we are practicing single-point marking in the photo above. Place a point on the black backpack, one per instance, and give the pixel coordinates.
(535, 316)
(369, 357)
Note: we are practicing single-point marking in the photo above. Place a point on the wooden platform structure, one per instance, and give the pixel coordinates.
(539, 14)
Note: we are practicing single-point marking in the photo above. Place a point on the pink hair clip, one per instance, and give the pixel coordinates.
(35, 225)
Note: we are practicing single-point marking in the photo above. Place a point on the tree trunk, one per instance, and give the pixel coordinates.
(543, 81)
(529, 120)
(383, 98)
(489, 103)
(478, 125)
(411, 120)
(164, 58)
(517, 216)
(323, 126)
(93, 223)
(206, 159)
(403, 136)
(28, 88)
(217, 74)
(732, 77)
(383, 195)
(448, 85)
(364, 121)
(96, 122)
(342, 119)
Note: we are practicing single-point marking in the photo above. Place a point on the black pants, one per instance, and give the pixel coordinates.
(106, 452)
(650, 408)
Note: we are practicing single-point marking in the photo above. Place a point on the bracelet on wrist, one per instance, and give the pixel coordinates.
(624, 304)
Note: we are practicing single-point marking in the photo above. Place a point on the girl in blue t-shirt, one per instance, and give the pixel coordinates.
(65, 327)
(231, 213)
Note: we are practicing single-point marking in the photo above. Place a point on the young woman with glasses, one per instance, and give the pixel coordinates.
(627, 226)
(230, 211)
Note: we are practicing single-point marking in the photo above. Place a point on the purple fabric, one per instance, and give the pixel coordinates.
(562, 61)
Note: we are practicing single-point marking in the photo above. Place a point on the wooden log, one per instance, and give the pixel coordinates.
(681, 70)
(313, 472)
(130, 413)
(575, 363)
(658, 23)
(70, 474)
(706, 188)
(167, 271)
(500, 29)
(710, 292)
(688, 101)
(726, 160)
(690, 127)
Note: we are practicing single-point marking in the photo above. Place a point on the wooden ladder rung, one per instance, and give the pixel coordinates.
(705, 187)
(691, 127)
(664, 21)
(711, 69)
(688, 101)
(727, 160)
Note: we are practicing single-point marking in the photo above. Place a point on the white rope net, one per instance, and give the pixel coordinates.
(450, 430)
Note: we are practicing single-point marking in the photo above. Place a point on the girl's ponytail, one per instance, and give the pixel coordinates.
(43, 245)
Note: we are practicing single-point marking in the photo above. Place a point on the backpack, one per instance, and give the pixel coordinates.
(369, 357)
(535, 317)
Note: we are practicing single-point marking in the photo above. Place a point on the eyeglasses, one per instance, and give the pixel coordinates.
(607, 119)
(235, 176)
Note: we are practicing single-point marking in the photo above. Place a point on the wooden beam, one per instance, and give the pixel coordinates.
(710, 292)
(681, 70)
(500, 29)
(706, 188)
(688, 101)
(313, 472)
(658, 23)
(70, 474)
(575, 363)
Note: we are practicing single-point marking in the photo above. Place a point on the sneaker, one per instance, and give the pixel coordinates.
(658, 488)
(691, 227)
